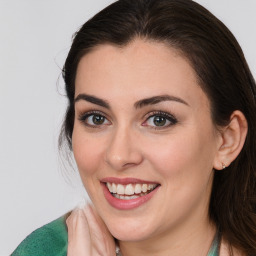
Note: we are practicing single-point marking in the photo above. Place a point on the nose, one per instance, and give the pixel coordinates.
(123, 150)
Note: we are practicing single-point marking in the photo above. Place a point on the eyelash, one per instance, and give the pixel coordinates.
(167, 116)
(84, 117)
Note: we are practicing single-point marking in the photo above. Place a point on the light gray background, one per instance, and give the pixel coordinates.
(34, 40)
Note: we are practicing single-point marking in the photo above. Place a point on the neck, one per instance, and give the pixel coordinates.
(193, 240)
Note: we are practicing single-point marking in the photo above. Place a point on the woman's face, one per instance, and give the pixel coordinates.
(143, 131)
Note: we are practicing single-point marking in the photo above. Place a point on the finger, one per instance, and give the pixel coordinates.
(103, 241)
(71, 223)
(79, 242)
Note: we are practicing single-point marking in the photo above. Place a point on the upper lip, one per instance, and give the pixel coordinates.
(126, 181)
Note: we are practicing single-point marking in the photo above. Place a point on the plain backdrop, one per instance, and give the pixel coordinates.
(35, 37)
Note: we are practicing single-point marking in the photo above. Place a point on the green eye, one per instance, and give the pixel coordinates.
(159, 120)
(94, 119)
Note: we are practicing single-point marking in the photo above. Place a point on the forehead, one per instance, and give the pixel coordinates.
(141, 69)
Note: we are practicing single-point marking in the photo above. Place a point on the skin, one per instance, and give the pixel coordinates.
(88, 235)
(180, 156)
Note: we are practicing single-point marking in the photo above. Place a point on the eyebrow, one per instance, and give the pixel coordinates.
(158, 99)
(138, 104)
(92, 99)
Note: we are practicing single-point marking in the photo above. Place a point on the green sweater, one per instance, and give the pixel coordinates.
(49, 240)
(52, 240)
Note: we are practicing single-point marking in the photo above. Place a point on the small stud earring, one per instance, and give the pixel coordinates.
(223, 166)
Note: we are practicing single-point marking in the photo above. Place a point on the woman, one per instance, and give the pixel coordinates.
(161, 121)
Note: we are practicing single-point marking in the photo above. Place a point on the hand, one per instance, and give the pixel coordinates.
(88, 234)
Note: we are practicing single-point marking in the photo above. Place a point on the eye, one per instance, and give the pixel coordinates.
(94, 119)
(160, 120)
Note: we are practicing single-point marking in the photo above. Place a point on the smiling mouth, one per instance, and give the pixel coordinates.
(130, 191)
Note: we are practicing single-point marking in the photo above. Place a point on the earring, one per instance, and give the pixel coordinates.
(223, 166)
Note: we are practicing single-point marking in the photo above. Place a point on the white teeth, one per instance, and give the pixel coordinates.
(133, 197)
(150, 186)
(144, 188)
(109, 187)
(129, 190)
(113, 188)
(125, 197)
(137, 188)
(120, 189)
(125, 192)
(116, 196)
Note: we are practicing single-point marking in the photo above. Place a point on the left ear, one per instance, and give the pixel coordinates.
(232, 140)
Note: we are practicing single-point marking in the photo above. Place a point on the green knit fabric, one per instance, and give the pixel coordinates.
(214, 250)
(49, 240)
(52, 240)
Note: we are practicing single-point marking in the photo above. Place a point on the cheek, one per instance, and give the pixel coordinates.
(87, 153)
(182, 155)
(184, 165)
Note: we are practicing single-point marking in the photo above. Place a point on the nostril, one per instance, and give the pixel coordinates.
(129, 165)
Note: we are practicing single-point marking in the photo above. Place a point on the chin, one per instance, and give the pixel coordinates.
(130, 231)
(135, 236)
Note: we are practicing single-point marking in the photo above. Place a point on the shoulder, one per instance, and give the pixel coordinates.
(50, 240)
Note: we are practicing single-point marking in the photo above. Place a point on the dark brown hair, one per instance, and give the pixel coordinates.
(222, 73)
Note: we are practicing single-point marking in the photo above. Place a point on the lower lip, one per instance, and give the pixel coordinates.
(127, 204)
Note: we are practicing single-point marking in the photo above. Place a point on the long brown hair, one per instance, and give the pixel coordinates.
(222, 73)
